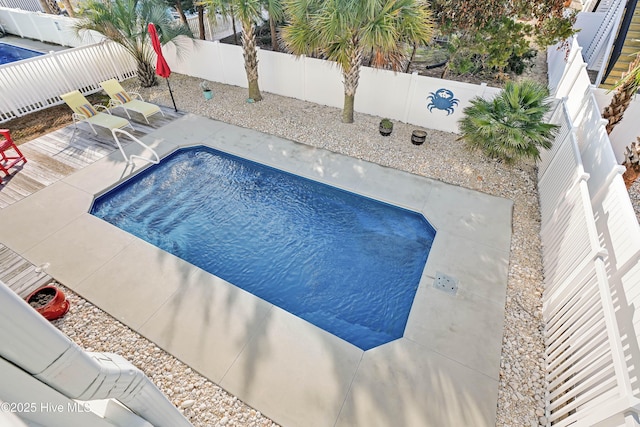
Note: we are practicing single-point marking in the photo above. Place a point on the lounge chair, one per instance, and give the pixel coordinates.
(120, 98)
(83, 111)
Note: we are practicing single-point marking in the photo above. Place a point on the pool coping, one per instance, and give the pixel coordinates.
(444, 371)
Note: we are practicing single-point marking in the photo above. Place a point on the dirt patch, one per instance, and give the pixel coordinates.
(34, 125)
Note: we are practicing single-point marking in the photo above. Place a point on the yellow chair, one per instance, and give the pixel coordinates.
(120, 98)
(83, 111)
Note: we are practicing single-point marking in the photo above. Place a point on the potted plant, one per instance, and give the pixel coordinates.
(49, 301)
(206, 90)
(418, 137)
(386, 127)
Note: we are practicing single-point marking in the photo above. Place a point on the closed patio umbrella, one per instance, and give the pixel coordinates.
(162, 68)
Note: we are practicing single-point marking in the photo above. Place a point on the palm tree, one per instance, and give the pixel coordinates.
(276, 14)
(511, 126)
(247, 12)
(626, 89)
(632, 163)
(125, 22)
(342, 30)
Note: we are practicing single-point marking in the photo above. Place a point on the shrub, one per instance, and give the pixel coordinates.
(386, 124)
(511, 126)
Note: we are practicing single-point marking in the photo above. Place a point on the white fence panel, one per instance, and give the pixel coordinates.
(281, 73)
(49, 28)
(438, 104)
(37, 83)
(565, 170)
(561, 118)
(323, 83)
(385, 93)
(584, 370)
(561, 63)
(568, 236)
(424, 101)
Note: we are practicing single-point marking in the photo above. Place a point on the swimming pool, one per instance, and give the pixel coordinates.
(10, 53)
(346, 263)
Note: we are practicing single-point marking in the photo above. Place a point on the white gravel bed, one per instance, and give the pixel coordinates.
(443, 157)
(634, 195)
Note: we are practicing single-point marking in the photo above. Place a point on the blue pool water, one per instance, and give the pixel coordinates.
(10, 53)
(348, 264)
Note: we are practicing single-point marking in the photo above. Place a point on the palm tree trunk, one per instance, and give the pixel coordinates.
(183, 17)
(274, 36)
(251, 60)
(201, 22)
(632, 163)
(351, 77)
(146, 74)
(631, 175)
(622, 98)
(619, 103)
(411, 58)
(69, 8)
(233, 25)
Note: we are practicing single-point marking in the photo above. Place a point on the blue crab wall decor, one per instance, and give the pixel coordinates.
(442, 99)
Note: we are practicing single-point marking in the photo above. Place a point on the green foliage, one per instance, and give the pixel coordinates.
(496, 33)
(125, 22)
(502, 40)
(343, 30)
(511, 126)
(501, 46)
(555, 29)
(517, 64)
(386, 124)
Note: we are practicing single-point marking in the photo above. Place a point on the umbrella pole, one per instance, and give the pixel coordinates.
(171, 93)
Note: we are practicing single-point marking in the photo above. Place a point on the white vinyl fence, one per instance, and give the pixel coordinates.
(44, 27)
(424, 101)
(37, 83)
(591, 253)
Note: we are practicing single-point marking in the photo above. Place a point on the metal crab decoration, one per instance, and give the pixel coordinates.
(442, 99)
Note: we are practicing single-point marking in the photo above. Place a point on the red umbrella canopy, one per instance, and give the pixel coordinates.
(162, 68)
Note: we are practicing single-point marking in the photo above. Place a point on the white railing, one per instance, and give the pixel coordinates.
(604, 37)
(37, 83)
(591, 249)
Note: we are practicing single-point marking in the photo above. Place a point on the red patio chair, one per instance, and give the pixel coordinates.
(7, 162)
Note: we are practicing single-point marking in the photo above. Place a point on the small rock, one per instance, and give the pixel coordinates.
(187, 404)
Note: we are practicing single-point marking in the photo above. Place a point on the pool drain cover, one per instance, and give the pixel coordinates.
(446, 283)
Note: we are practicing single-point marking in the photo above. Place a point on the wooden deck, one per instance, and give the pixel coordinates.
(49, 159)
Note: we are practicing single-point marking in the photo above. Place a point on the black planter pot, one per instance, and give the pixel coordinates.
(385, 131)
(418, 137)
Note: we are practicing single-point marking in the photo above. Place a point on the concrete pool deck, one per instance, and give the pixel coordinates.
(443, 372)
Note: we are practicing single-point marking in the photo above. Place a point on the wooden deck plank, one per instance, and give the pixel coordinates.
(19, 274)
(58, 154)
(70, 156)
(49, 159)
